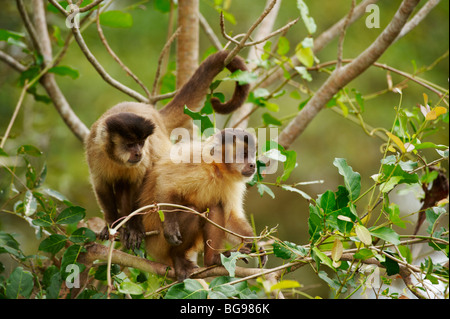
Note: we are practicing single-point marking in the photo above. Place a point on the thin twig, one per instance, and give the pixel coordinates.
(116, 58)
(241, 44)
(209, 32)
(12, 62)
(342, 36)
(16, 111)
(161, 58)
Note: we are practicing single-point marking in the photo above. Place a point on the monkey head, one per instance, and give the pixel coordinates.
(236, 150)
(124, 136)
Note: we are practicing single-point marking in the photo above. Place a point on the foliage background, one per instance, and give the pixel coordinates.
(329, 136)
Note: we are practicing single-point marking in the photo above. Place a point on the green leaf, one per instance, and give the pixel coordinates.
(116, 19)
(363, 254)
(268, 119)
(53, 243)
(230, 262)
(296, 190)
(363, 234)
(7, 34)
(352, 180)
(288, 251)
(128, 287)
(283, 46)
(307, 19)
(71, 215)
(188, 289)
(65, 70)
(10, 246)
(20, 283)
(82, 235)
(327, 202)
(387, 234)
(264, 189)
(304, 55)
(304, 73)
(242, 77)
(30, 203)
(162, 5)
(285, 284)
(323, 258)
(432, 215)
(29, 150)
(205, 121)
(70, 257)
(289, 164)
(44, 221)
(392, 267)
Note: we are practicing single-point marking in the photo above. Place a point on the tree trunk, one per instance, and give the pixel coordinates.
(188, 40)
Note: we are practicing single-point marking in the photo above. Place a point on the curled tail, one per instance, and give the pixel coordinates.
(194, 91)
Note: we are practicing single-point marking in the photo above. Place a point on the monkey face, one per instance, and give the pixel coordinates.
(126, 137)
(237, 149)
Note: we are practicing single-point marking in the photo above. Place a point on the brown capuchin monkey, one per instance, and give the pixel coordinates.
(216, 184)
(130, 137)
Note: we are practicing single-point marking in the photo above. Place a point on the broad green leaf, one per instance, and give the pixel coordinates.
(285, 284)
(289, 164)
(82, 235)
(10, 246)
(387, 234)
(70, 257)
(268, 119)
(323, 258)
(303, 73)
(65, 70)
(128, 287)
(307, 19)
(29, 150)
(305, 55)
(363, 254)
(287, 250)
(283, 46)
(7, 34)
(206, 124)
(188, 289)
(432, 215)
(242, 77)
(264, 189)
(337, 250)
(392, 267)
(352, 180)
(30, 203)
(273, 107)
(44, 221)
(230, 262)
(53, 244)
(363, 234)
(20, 284)
(314, 222)
(71, 215)
(116, 19)
(327, 202)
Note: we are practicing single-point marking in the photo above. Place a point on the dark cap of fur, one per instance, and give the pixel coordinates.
(129, 126)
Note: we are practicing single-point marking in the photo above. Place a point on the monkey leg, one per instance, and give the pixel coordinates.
(213, 236)
(133, 234)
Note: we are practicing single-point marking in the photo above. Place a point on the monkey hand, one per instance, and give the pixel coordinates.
(133, 235)
(104, 234)
(172, 233)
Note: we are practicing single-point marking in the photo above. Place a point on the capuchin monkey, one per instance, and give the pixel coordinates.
(216, 184)
(129, 138)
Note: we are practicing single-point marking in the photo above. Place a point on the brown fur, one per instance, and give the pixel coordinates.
(208, 185)
(117, 185)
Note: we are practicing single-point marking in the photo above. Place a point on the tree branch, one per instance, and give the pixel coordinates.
(16, 65)
(340, 78)
(116, 58)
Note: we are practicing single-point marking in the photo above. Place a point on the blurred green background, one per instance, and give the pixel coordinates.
(329, 136)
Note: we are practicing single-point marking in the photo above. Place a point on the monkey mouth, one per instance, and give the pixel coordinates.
(134, 161)
(248, 173)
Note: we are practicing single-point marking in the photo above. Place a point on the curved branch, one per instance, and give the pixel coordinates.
(340, 78)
